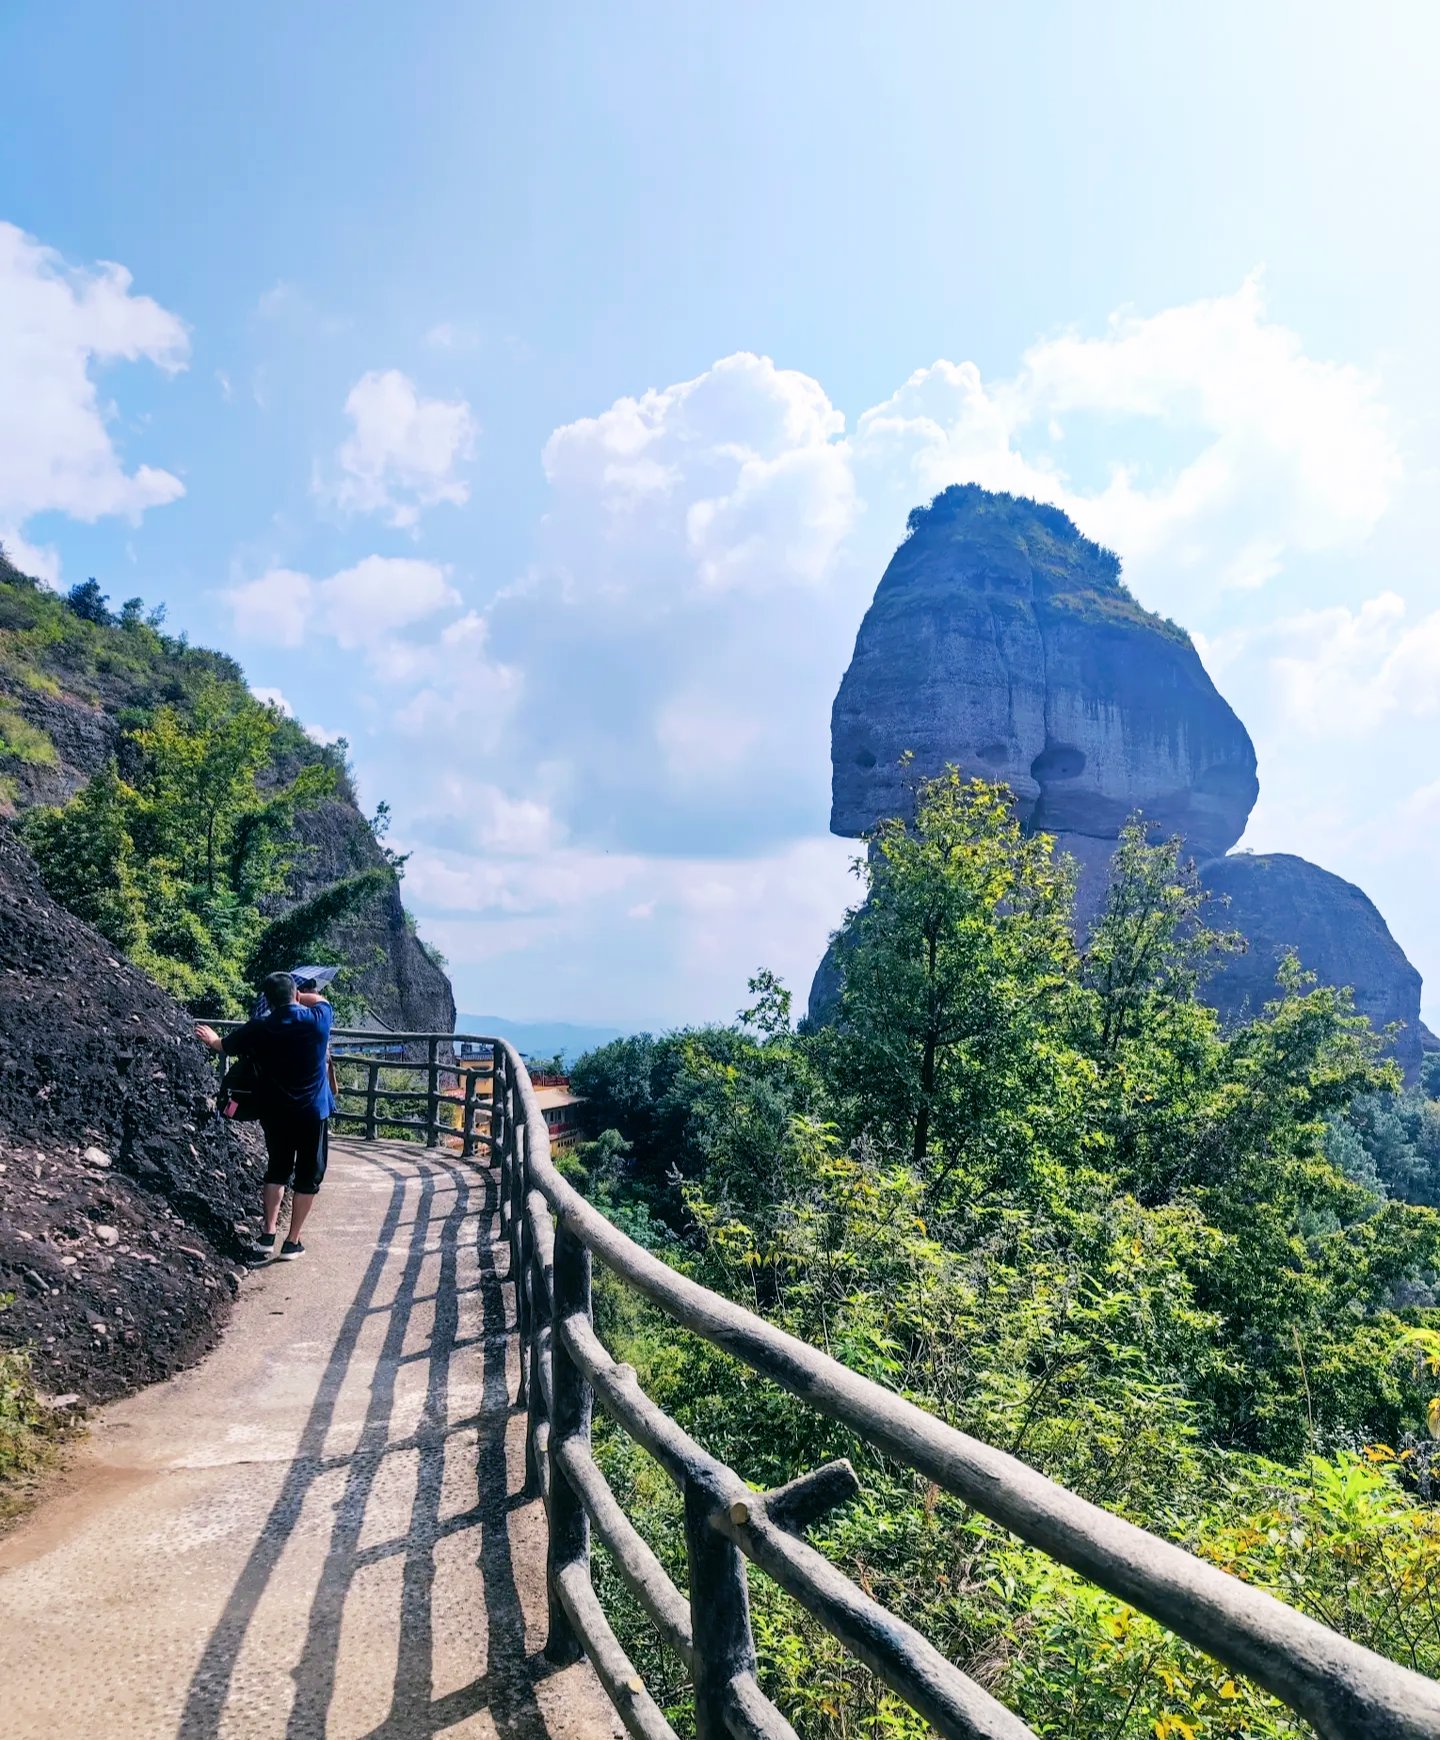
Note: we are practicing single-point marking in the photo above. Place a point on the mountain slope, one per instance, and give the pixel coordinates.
(122, 1193)
(73, 685)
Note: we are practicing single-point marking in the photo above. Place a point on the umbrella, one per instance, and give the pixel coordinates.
(312, 978)
(306, 979)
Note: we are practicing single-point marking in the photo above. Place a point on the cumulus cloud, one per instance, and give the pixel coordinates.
(1341, 671)
(733, 480)
(402, 452)
(60, 324)
(360, 607)
(1268, 451)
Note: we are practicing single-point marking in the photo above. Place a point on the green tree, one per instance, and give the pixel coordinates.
(958, 969)
(177, 869)
(769, 1014)
(87, 857)
(89, 603)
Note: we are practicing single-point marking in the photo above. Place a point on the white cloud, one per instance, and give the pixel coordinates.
(365, 604)
(733, 480)
(1345, 672)
(39, 561)
(58, 325)
(275, 607)
(274, 698)
(401, 455)
(1266, 450)
(360, 607)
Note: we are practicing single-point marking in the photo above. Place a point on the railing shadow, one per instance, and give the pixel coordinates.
(506, 1686)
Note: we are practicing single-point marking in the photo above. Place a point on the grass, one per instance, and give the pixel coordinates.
(31, 1434)
(22, 741)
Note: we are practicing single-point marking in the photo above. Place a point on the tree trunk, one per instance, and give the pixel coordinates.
(927, 1064)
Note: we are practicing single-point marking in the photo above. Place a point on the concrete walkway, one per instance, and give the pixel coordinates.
(319, 1531)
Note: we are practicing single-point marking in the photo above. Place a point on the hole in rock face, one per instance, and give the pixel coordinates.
(1058, 761)
(865, 759)
(995, 754)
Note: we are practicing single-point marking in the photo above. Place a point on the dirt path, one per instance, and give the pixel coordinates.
(317, 1532)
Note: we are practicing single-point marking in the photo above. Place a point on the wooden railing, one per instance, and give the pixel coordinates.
(1342, 1689)
(555, 1236)
(420, 1088)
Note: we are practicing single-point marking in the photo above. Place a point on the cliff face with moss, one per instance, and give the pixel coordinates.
(1003, 641)
(73, 686)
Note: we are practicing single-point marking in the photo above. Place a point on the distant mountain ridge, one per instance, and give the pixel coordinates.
(542, 1038)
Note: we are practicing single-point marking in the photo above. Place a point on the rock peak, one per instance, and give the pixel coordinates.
(1003, 640)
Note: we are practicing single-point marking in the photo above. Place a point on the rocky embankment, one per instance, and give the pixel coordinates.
(122, 1198)
(1003, 641)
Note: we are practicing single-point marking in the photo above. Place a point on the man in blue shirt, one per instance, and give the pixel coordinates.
(288, 1048)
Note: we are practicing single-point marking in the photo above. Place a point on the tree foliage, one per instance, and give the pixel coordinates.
(1040, 1190)
(179, 867)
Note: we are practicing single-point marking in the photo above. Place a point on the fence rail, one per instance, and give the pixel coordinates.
(1339, 1687)
(372, 1100)
(555, 1237)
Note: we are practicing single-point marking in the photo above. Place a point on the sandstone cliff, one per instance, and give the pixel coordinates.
(1278, 903)
(1004, 642)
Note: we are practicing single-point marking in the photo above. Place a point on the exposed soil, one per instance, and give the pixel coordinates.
(123, 1199)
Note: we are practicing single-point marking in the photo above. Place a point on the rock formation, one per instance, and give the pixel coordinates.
(400, 983)
(1004, 642)
(1279, 902)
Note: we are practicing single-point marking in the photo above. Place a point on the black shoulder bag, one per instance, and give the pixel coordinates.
(240, 1091)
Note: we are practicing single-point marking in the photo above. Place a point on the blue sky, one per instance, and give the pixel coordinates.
(370, 408)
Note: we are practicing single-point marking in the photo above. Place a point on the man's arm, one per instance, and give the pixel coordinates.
(237, 1041)
(308, 999)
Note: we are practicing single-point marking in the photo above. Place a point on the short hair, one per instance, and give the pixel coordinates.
(279, 989)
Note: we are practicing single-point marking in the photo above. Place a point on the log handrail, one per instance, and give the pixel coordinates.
(555, 1236)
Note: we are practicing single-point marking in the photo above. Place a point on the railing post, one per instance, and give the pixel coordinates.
(719, 1611)
(372, 1080)
(536, 1409)
(467, 1126)
(432, 1129)
(500, 1131)
(569, 1522)
(522, 1253)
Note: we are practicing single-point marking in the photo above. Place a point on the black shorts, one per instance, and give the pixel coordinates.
(296, 1143)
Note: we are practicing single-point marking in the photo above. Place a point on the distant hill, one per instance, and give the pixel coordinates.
(541, 1038)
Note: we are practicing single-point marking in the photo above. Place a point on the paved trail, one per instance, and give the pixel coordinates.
(317, 1534)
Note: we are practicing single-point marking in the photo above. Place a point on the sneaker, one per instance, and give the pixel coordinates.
(262, 1249)
(291, 1249)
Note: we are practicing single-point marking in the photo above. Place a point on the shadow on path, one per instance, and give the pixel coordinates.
(506, 1687)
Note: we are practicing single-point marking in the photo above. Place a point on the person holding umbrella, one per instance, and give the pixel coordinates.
(288, 1048)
